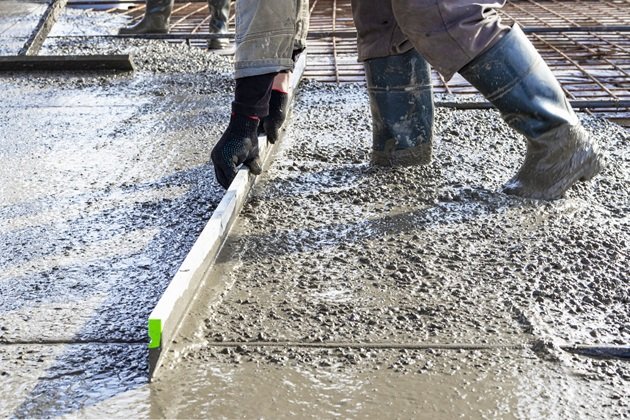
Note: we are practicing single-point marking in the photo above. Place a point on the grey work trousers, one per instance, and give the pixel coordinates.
(447, 33)
(219, 15)
(267, 33)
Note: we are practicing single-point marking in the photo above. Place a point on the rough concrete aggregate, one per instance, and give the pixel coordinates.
(106, 152)
(443, 231)
(329, 249)
(105, 183)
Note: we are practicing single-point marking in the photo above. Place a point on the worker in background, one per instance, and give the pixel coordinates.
(158, 13)
(270, 34)
(398, 39)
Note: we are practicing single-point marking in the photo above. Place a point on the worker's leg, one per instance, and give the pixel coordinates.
(464, 36)
(449, 33)
(514, 77)
(399, 86)
(265, 31)
(155, 20)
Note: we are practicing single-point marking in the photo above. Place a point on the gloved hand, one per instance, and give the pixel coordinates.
(238, 144)
(278, 110)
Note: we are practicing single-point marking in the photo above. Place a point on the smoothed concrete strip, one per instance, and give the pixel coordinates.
(171, 309)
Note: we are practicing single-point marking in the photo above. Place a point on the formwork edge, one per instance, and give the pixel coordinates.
(171, 308)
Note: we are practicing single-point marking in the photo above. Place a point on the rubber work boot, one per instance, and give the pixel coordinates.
(219, 15)
(513, 76)
(401, 101)
(155, 20)
(238, 144)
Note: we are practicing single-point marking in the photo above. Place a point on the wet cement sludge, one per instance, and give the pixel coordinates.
(106, 182)
(330, 250)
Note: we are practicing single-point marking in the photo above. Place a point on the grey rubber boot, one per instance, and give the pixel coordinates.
(401, 101)
(155, 20)
(219, 15)
(513, 76)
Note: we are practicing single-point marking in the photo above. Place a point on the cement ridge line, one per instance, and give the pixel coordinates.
(167, 316)
(364, 345)
(406, 345)
(609, 351)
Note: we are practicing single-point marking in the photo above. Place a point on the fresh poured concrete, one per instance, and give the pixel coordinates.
(105, 183)
(355, 291)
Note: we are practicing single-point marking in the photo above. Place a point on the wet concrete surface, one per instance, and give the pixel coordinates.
(345, 283)
(18, 20)
(105, 184)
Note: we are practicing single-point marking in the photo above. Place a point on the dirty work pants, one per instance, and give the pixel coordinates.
(219, 15)
(267, 33)
(447, 33)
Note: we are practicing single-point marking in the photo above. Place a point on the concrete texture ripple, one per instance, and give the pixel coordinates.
(104, 186)
(105, 183)
(422, 292)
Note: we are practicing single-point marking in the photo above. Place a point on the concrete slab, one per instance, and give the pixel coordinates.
(96, 176)
(101, 175)
(432, 384)
(331, 250)
(42, 381)
(435, 253)
(18, 20)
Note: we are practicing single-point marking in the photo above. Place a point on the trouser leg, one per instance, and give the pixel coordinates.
(301, 26)
(378, 33)
(449, 33)
(267, 33)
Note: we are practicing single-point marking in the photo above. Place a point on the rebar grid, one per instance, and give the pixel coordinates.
(586, 43)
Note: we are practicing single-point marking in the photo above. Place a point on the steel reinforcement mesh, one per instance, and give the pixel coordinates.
(586, 43)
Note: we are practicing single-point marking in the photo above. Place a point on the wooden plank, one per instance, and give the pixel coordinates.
(37, 38)
(170, 311)
(66, 62)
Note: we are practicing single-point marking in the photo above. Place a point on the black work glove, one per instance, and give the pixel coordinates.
(238, 144)
(278, 110)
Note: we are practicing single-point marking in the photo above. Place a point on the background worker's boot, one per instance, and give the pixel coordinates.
(513, 76)
(155, 20)
(401, 101)
(219, 15)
